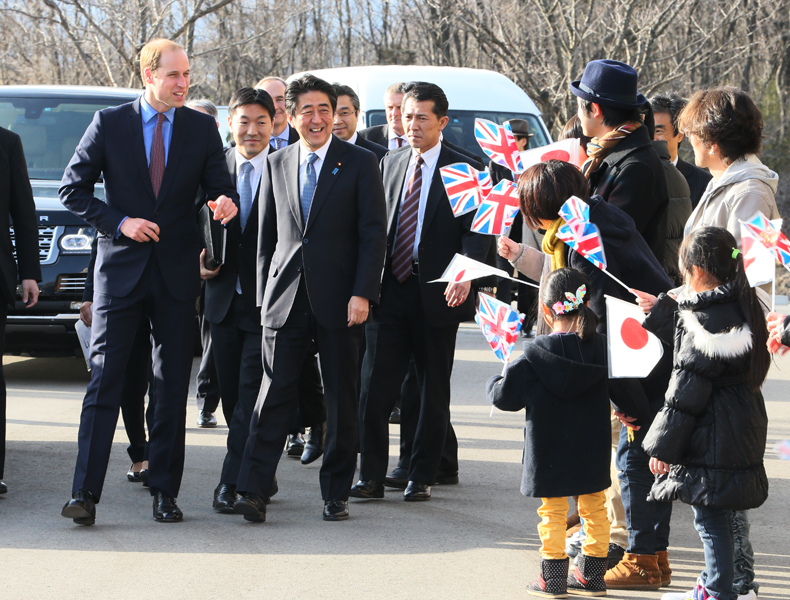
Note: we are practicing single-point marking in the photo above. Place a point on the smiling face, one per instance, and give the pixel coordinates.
(392, 107)
(666, 132)
(313, 119)
(345, 118)
(167, 86)
(422, 126)
(251, 127)
(276, 89)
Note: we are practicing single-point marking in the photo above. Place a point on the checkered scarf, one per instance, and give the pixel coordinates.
(598, 148)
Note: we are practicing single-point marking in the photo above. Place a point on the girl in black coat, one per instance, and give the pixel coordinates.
(561, 379)
(707, 442)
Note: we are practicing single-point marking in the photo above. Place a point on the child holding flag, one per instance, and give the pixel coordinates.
(707, 442)
(562, 381)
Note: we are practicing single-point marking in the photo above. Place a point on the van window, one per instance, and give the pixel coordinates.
(460, 129)
(50, 129)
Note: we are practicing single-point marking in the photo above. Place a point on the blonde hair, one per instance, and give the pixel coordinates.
(152, 52)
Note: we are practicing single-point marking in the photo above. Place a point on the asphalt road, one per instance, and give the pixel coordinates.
(477, 539)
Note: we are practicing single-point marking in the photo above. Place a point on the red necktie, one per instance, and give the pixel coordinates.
(157, 165)
(399, 141)
(407, 226)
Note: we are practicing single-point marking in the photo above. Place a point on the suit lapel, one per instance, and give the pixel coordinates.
(137, 144)
(394, 189)
(290, 167)
(330, 171)
(174, 153)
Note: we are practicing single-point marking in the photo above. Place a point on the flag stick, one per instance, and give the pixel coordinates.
(618, 281)
(773, 292)
(504, 368)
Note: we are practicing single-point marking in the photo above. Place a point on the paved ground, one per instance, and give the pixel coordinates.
(474, 540)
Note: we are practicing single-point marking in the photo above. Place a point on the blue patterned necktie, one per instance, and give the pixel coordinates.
(308, 187)
(245, 192)
(277, 142)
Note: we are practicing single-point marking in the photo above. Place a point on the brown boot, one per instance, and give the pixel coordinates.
(634, 572)
(663, 565)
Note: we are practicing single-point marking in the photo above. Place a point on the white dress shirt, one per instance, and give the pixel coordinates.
(352, 139)
(285, 135)
(430, 159)
(258, 163)
(392, 139)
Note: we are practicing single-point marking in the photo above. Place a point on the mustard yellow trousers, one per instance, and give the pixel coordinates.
(592, 509)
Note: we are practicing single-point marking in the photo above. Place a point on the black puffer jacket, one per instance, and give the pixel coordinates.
(785, 337)
(712, 428)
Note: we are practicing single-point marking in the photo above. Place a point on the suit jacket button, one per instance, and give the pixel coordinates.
(304, 241)
(298, 269)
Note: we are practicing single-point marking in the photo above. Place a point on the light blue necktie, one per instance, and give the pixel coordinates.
(308, 187)
(245, 192)
(277, 142)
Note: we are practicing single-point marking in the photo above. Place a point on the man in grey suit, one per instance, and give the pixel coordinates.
(322, 241)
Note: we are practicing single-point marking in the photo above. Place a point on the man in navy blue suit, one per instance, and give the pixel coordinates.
(153, 154)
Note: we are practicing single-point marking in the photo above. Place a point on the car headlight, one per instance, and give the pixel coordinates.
(77, 240)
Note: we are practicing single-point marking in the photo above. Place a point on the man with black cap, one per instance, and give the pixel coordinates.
(624, 168)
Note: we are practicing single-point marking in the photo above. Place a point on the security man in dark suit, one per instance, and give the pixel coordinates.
(153, 154)
(345, 124)
(322, 241)
(416, 318)
(17, 209)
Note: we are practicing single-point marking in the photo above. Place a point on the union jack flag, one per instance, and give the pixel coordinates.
(463, 186)
(495, 215)
(580, 234)
(500, 325)
(768, 234)
(484, 177)
(498, 143)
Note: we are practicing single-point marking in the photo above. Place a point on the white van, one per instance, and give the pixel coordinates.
(472, 94)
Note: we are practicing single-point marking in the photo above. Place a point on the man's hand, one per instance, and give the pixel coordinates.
(29, 292)
(140, 230)
(205, 273)
(658, 467)
(626, 420)
(358, 308)
(86, 313)
(645, 301)
(507, 248)
(456, 293)
(224, 209)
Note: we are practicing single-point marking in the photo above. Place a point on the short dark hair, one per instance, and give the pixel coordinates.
(423, 91)
(543, 189)
(248, 95)
(669, 104)
(305, 84)
(725, 116)
(612, 117)
(573, 130)
(347, 90)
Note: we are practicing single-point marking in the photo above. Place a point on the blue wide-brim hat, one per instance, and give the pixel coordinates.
(609, 83)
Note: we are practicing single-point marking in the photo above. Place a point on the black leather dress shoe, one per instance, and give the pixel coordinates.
(314, 447)
(395, 416)
(225, 498)
(134, 476)
(206, 419)
(252, 506)
(417, 492)
(165, 509)
(81, 508)
(367, 489)
(335, 510)
(3, 487)
(144, 477)
(398, 479)
(446, 478)
(295, 445)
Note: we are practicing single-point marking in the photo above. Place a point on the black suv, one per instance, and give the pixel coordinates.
(51, 120)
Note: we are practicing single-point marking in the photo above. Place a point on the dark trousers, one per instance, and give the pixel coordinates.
(115, 322)
(135, 387)
(284, 354)
(310, 410)
(207, 384)
(398, 331)
(409, 416)
(237, 350)
(647, 522)
(3, 319)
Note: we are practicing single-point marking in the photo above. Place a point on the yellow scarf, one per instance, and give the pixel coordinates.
(554, 246)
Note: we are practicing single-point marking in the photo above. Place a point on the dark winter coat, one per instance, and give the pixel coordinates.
(631, 178)
(678, 211)
(563, 384)
(713, 426)
(785, 337)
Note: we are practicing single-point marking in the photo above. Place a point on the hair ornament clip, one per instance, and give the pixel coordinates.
(573, 301)
(735, 252)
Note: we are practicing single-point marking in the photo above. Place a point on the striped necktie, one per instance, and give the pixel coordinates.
(156, 166)
(407, 225)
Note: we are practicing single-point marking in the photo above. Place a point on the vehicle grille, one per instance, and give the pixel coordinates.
(46, 238)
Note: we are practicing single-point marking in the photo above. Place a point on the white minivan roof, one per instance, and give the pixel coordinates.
(463, 87)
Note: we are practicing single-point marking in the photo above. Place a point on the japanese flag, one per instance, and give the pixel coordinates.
(633, 351)
(566, 150)
(462, 268)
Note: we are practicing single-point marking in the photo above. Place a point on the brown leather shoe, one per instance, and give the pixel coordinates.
(663, 565)
(635, 572)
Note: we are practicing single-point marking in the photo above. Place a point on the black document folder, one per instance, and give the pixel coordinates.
(213, 237)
